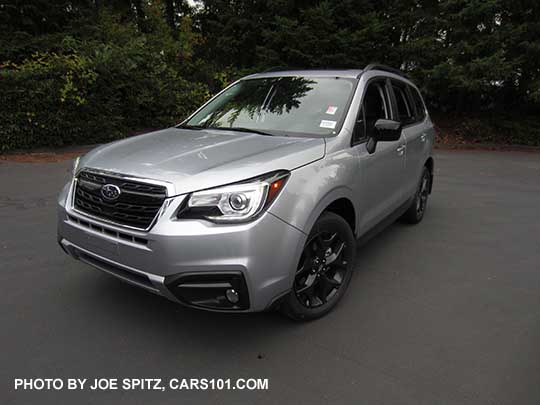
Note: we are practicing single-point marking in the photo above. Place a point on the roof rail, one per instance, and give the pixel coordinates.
(284, 68)
(378, 66)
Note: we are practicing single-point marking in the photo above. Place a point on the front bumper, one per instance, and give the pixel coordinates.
(257, 259)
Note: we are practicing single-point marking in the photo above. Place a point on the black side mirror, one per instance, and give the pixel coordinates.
(387, 130)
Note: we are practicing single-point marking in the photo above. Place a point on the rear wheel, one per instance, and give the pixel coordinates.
(416, 210)
(324, 270)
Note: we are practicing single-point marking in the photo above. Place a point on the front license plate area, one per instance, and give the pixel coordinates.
(101, 245)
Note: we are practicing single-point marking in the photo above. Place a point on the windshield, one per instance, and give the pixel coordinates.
(280, 106)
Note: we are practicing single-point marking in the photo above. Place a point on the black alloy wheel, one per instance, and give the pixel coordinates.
(324, 269)
(417, 209)
(423, 192)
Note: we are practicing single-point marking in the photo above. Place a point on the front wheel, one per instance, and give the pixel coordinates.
(324, 271)
(416, 210)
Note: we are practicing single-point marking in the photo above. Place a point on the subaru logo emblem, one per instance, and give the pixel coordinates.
(110, 191)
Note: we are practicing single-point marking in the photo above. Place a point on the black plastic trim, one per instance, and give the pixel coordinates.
(206, 290)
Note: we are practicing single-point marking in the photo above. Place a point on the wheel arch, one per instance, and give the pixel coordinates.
(340, 202)
(345, 209)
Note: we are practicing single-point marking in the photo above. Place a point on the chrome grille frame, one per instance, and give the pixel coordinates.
(169, 187)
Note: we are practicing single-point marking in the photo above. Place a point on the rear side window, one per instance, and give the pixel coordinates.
(405, 109)
(418, 103)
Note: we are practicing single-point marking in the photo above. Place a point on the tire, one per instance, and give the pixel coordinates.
(416, 210)
(324, 270)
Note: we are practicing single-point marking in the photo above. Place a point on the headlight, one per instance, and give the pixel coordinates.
(238, 202)
(76, 165)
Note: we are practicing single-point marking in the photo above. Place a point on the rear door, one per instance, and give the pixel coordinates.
(421, 149)
(413, 133)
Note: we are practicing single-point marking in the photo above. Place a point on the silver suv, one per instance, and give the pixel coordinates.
(256, 201)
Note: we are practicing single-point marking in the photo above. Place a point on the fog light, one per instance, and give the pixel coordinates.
(222, 291)
(232, 296)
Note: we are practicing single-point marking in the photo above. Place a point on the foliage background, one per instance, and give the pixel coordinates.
(87, 71)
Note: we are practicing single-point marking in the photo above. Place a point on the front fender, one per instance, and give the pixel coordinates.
(312, 188)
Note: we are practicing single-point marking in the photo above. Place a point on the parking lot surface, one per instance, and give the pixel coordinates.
(446, 312)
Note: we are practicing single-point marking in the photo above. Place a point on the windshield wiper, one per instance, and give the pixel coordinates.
(238, 129)
(241, 129)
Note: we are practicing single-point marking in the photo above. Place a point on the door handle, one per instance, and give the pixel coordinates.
(401, 150)
(423, 137)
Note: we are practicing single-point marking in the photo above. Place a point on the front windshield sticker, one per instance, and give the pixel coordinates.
(328, 124)
(331, 110)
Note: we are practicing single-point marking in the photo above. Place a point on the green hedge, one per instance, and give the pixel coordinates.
(92, 71)
(98, 91)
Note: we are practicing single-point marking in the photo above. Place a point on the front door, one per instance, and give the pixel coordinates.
(381, 173)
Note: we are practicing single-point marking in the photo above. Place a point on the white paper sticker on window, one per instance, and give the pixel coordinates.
(331, 110)
(328, 124)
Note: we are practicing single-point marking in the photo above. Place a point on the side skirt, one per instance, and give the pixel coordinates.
(389, 220)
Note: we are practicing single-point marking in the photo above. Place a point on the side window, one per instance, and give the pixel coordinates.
(375, 105)
(418, 103)
(405, 109)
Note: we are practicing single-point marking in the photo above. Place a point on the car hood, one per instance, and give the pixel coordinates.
(197, 159)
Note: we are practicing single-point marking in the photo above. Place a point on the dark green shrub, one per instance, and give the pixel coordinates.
(96, 90)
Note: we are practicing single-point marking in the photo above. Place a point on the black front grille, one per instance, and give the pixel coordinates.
(136, 206)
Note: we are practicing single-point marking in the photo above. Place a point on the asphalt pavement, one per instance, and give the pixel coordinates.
(445, 312)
